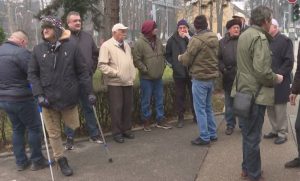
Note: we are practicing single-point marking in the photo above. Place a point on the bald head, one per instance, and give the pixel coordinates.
(19, 37)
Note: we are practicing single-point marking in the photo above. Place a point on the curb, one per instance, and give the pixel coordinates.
(138, 128)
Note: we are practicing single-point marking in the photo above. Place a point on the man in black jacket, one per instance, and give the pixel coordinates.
(17, 101)
(177, 45)
(90, 53)
(227, 66)
(55, 72)
(282, 63)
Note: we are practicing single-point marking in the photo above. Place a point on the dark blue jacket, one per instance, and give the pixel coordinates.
(13, 72)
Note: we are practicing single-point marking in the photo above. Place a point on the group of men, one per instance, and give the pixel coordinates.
(60, 72)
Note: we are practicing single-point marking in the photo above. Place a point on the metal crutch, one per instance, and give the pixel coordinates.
(46, 143)
(110, 160)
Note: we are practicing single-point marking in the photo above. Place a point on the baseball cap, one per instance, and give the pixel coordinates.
(118, 26)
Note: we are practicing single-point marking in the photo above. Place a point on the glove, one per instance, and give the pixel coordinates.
(92, 99)
(43, 101)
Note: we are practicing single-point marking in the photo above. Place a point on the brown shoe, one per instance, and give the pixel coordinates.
(147, 127)
(244, 175)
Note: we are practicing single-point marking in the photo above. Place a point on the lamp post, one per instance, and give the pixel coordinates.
(35, 25)
(16, 16)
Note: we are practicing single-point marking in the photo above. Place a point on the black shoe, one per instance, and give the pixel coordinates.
(119, 138)
(38, 165)
(199, 142)
(214, 139)
(229, 131)
(128, 135)
(270, 135)
(23, 166)
(69, 143)
(293, 164)
(280, 140)
(64, 166)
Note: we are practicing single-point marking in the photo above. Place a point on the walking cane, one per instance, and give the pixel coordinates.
(46, 143)
(110, 160)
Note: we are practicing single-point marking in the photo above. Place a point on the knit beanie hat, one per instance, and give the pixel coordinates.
(52, 22)
(200, 23)
(233, 22)
(182, 22)
(148, 26)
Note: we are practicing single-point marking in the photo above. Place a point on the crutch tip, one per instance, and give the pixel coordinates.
(110, 160)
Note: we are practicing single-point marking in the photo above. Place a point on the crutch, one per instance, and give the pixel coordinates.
(110, 160)
(46, 143)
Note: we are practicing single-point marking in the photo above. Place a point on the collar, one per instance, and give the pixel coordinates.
(269, 37)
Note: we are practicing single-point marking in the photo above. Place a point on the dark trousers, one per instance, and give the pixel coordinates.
(24, 116)
(181, 88)
(120, 105)
(297, 128)
(251, 131)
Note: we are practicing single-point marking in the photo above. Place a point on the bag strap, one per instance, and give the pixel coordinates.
(236, 84)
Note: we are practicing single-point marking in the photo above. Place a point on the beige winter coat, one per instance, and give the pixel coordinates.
(115, 64)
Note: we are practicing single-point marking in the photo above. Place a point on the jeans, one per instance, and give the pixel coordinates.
(151, 88)
(202, 93)
(251, 132)
(90, 119)
(24, 116)
(229, 116)
(180, 94)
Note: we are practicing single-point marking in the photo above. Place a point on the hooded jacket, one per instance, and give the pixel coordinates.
(201, 56)
(149, 61)
(56, 72)
(14, 85)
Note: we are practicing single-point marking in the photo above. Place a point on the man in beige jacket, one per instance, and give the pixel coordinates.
(116, 65)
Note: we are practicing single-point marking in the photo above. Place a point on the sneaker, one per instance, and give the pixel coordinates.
(96, 139)
(199, 142)
(213, 139)
(293, 164)
(163, 125)
(147, 127)
(69, 143)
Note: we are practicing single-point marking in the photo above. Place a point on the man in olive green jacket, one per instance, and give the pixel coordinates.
(202, 61)
(254, 74)
(149, 58)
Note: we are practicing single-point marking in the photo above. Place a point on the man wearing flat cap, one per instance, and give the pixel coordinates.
(227, 66)
(55, 72)
(116, 65)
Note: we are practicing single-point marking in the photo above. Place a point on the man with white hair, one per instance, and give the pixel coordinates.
(282, 63)
(17, 101)
(116, 65)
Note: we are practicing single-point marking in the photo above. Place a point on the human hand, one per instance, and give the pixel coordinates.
(279, 78)
(43, 101)
(92, 99)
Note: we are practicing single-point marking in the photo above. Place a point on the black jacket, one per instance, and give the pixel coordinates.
(13, 72)
(282, 63)
(88, 49)
(177, 46)
(57, 73)
(227, 60)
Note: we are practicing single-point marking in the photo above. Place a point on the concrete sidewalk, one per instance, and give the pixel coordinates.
(223, 161)
(160, 155)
